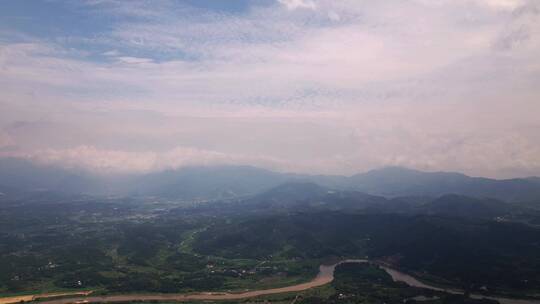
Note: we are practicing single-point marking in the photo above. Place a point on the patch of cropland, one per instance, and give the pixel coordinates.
(123, 246)
(82, 245)
(471, 254)
(58, 242)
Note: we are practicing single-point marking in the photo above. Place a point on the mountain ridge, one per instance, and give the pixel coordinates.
(218, 182)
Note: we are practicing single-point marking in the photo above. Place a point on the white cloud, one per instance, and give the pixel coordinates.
(334, 16)
(336, 87)
(504, 4)
(296, 4)
(112, 53)
(5, 140)
(120, 161)
(134, 60)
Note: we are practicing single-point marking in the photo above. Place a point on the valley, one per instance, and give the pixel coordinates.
(270, 151)
(265, 244)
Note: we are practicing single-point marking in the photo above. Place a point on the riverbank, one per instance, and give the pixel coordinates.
(414, 282)
(29, 298)
(325, 276)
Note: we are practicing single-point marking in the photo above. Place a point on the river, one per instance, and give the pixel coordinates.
(411, 281)
(325, 276)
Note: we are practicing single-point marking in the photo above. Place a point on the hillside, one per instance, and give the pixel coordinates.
(221, 182)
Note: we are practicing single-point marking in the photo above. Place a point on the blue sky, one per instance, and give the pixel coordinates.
(57, 19)
(85, 25)
(315, 86)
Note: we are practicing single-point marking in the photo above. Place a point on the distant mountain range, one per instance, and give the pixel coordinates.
(302, 197)
(394, 181)
(221, 182)
(310, 195)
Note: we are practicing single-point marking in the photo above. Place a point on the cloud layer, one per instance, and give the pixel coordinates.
(293, 85)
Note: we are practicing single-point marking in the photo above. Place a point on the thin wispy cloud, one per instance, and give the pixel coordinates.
(296, 85)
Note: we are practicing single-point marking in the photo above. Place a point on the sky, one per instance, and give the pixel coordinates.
(308, 86)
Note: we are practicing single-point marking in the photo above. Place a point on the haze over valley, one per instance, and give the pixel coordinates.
(270, 151)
